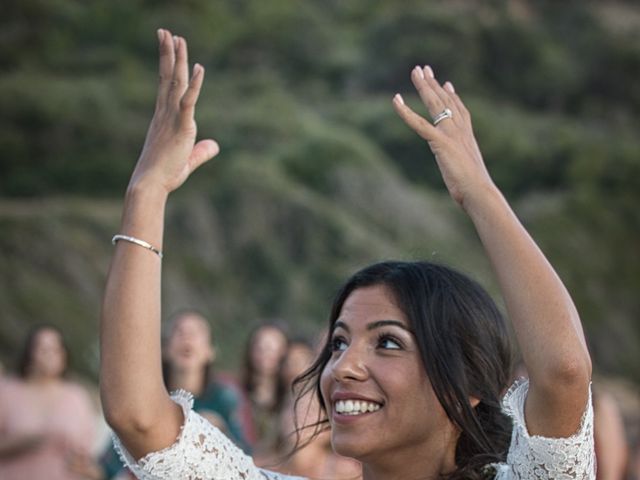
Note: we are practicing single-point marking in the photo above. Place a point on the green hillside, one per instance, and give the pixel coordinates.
(317, 176)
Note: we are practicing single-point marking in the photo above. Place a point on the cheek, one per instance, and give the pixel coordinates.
(61, 363)
(201, 349)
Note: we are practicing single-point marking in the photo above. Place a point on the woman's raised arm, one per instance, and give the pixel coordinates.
(543, 315)
(135, 400)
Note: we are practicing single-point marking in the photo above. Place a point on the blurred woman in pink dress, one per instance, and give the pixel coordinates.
(47, 423)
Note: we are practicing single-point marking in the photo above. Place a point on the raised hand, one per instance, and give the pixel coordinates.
(451, 140)
(170, 153)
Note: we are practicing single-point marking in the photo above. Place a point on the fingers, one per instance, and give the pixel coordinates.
(421, 126)
(437, 89)
(437, 98)
(180, 79)
(427, 88)
(167, 61)
(457, 102)
(203, 151)
(176, 91)
(190, 97)
(174, 72)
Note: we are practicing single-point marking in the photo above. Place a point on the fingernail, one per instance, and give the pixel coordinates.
(420, 72)
(398, 98)
(449, 86)
(429, 71)
(197, 69)
(176, 40)
(160, 32)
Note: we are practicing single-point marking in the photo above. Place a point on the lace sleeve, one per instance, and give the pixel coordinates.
(201, 452)
(542, 458)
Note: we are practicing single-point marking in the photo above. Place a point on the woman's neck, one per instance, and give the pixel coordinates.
(264, 390)
(190, 380)
(424, 462)
(42, 380)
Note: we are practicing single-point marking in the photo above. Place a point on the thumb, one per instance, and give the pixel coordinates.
(203, 151)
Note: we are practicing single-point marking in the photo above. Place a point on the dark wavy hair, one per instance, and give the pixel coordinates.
(465, 350)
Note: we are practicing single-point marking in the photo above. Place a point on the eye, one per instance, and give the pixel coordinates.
(338, 344)
(389, 342)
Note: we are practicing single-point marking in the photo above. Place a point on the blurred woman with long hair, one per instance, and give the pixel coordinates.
(47, 422)
(266, 347)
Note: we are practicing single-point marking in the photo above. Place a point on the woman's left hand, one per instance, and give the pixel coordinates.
(452, 140)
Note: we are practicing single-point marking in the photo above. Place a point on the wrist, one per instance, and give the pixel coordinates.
(486, 198)
(145, 191)
(143, 212)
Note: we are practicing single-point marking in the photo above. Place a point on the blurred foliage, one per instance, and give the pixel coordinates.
(317, 176)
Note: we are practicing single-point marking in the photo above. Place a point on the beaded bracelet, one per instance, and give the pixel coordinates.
(137, 241)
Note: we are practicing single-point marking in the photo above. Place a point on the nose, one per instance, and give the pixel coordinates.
(350, 365)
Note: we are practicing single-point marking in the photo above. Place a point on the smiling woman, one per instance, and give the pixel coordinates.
(396, 321)
(411, 377)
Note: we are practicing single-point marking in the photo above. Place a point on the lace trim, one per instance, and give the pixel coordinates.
(201, 452)
(182, 398)
(513, 405)
(538, 457)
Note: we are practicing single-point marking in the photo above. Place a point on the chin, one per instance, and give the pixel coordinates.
(357, 450)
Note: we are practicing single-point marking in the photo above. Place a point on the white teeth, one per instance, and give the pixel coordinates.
(355, 407)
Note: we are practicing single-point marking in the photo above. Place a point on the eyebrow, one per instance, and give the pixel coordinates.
(374, 325)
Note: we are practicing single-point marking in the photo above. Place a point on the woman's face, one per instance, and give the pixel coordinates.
(189, 344)
(48, 356)
(379, 400)
(268, 347)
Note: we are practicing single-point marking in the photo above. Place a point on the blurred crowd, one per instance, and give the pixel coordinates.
(51, 427)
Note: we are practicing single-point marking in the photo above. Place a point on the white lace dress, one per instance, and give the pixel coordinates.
(202, 452)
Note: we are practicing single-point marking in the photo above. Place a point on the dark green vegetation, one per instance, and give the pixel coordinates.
(316, 176)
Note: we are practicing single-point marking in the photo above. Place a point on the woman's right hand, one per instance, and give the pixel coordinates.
(170, 153)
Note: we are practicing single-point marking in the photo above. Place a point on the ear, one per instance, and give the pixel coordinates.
(474, 401)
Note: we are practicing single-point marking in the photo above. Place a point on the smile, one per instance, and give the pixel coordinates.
(355, 407)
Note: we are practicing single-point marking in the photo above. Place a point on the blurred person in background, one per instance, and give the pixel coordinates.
(47, 423)
(634, 464)
(298, 451)
(188, 359)
(612, 449)
(188, 365)
(266, 347)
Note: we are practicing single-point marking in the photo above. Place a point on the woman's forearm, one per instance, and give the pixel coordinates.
(130, 375)
(543, 316)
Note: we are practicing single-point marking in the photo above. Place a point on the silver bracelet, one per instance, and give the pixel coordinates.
(137, 241)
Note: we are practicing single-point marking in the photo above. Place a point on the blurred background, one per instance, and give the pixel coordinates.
(317, 176)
